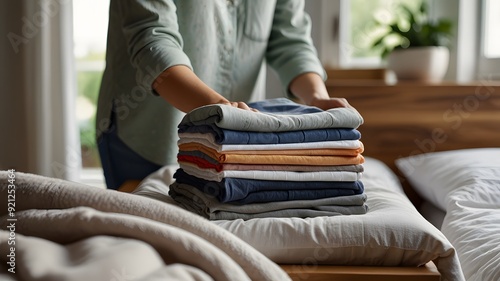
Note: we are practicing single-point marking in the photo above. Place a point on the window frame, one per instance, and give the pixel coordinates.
(89, 175)
(488, 68)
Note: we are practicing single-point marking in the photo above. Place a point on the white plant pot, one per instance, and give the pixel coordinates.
(426, 64)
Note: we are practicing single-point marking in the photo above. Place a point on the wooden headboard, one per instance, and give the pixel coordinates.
(410, 119)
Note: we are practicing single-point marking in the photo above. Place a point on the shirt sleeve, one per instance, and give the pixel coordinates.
(290, 48)
(154, 43)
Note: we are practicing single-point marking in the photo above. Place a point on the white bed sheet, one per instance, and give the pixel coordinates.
(392, 233)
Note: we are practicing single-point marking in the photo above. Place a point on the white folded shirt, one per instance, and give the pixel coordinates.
(212, 175)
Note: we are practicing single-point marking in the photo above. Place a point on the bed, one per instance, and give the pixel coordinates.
(417, 251)
(391, 235)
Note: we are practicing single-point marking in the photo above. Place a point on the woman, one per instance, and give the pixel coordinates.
(166, 57)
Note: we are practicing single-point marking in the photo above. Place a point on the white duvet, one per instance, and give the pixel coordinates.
(472, 224)
(466, 184)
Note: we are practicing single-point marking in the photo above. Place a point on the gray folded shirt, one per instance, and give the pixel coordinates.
(300, 117)
(207, 206)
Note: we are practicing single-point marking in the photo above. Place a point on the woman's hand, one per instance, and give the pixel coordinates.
(328, 103)
(180, 86)
(311, 90)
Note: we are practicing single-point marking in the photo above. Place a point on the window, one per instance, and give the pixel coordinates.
(491, 40)
(362, 30)
(489, 57)
(90, 28)
(90, 22)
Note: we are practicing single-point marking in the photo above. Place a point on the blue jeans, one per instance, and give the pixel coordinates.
(119, 162)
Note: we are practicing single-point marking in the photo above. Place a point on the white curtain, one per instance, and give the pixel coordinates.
(38, 97)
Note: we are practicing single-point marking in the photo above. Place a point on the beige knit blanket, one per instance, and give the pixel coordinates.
(62, 230)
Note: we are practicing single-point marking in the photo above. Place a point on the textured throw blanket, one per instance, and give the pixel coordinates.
(69, 231)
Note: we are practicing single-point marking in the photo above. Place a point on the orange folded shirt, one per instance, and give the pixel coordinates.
(332, 157)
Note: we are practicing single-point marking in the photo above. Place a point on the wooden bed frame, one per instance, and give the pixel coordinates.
(409, 119)
(427, 272)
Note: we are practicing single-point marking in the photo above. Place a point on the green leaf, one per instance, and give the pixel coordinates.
(444, 26)
(411, 16)
(386, 52)
(378, 42)
(395, 28)
(423, 8)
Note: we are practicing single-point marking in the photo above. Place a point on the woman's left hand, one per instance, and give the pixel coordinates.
(328, 103)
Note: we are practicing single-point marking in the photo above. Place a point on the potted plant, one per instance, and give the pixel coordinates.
(415, 46)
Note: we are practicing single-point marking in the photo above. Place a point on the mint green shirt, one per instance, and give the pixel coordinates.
(225, 42)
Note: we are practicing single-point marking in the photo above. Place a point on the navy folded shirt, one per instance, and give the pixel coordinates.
(226, 136)
(245, 191)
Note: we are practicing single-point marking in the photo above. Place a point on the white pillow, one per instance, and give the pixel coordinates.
(435, 175)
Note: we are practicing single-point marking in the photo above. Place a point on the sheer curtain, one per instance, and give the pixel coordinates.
(38, 89)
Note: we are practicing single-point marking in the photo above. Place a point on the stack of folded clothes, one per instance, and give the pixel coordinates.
(287, 160)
